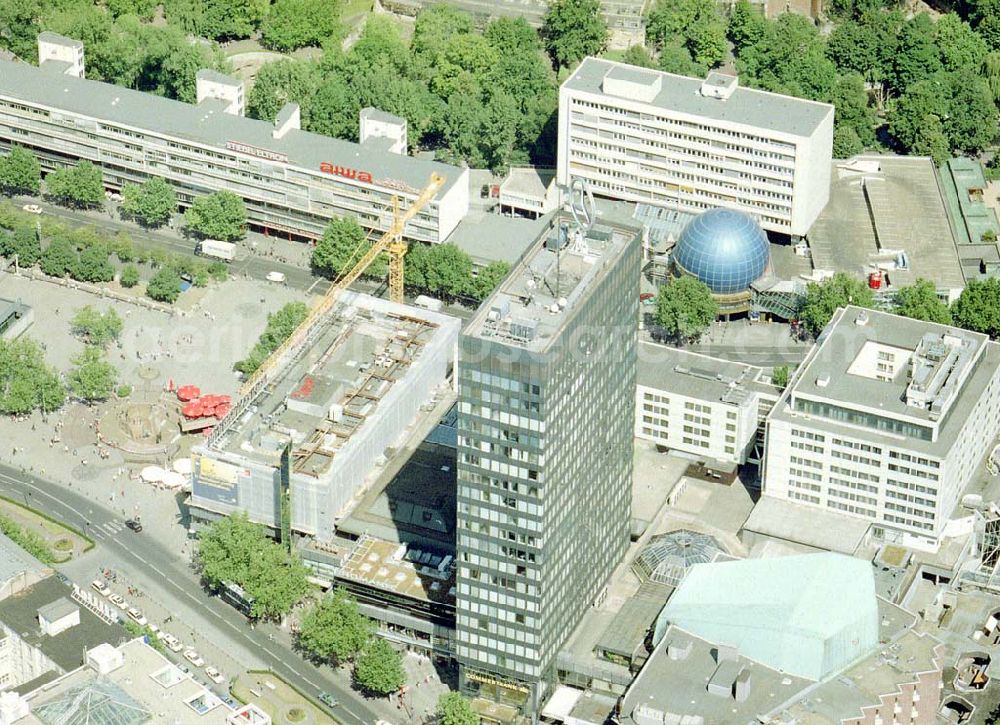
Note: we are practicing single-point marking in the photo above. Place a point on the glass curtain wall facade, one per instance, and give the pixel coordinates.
(544, 484)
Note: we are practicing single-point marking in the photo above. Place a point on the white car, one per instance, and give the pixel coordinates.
(214, 675)
(194, 658)
(173, 644)
(32, 208)
(276, 277)
(136, 616)
(100, 587)
(155, 631)
(119, 601)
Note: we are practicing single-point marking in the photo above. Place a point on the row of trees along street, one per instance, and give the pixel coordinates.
(685, 307)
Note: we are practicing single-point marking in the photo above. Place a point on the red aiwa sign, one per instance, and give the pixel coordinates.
(348, 173)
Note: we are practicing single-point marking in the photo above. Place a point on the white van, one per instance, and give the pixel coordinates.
(278, 277)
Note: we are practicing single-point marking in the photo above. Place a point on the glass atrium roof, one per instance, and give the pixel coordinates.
(98, 702)
(667, 557)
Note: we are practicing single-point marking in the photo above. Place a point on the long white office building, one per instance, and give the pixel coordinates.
(292, 181)
(690, 144)
(887, 420)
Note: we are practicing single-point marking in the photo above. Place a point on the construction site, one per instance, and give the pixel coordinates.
(310, 438)
(319, 417)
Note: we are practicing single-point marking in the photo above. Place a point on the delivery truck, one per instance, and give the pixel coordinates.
(225, 251)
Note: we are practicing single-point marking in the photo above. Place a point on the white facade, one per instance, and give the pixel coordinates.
(19, 661)
(842, 446)
(698, 405)
(209, 84)
(57, 49)
(292, 181)
(646, 136)
(376, 124)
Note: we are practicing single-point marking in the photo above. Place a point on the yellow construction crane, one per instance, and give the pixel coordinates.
(390, 242)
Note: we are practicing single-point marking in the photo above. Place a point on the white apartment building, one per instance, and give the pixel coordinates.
(709, 408)
(887, 420)
(689, 144)
(292, 181)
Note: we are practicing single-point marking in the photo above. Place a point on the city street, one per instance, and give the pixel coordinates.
(205, 622)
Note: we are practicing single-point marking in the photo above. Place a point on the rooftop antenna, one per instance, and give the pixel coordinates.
(584, 212)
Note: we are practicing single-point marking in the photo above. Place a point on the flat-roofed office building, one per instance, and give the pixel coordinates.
(887, 420)
(690, 144)
(292, 181)
(546, 409)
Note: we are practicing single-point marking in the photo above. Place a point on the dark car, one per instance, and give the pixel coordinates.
(134, 525)
(327, 699)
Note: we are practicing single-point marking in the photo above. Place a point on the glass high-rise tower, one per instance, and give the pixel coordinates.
(546, 414)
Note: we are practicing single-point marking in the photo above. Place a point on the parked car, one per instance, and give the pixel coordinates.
(155, 631)
(173, 644)
(214, 675)
(136, 616)
(194, 658)
(100, 587)
(32, 208)
(134, 525)
(119, 601)
(276, 277)
(327, 699)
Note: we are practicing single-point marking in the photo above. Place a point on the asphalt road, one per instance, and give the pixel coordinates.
(175, 586)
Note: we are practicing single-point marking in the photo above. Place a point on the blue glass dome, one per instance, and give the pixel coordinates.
(724, 248)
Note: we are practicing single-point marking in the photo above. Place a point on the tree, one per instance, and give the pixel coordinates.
(143, 9)
(164, 286)
(379, 668)
(93, 265)
(219, 19)
(573, 29)
(280, 325)
(921, 302)
(220, 215)
(931, 140)
(151, 203)
(978, 307)
(909, 116)
(698, 25)
(675, 58)
(918, 56)
(79, 186)
(282, 82)
(789, 58)
(129, 276)
(448, 270)
(638, 55)
(453, 709)
(342, 245)
(293, 24)
(24, 244)
(846, 142)
(234, 550)
(93, 377)
(779, 377)
(335, 629)
(959, 45)
(685, 307)
(487, 279)
(59, 258)
(26, 382)
(850, 99)
(95, 327)
(20, 172)
(746, 25)
(823, 299)
(971, 120)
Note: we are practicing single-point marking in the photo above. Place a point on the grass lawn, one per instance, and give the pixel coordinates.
(281, 701)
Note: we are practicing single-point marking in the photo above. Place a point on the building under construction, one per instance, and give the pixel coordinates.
(295, 453)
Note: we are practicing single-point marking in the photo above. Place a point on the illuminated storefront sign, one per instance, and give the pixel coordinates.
(249, 150)
(345, 171)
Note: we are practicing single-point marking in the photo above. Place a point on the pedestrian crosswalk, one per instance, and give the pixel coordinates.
(112, 527)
